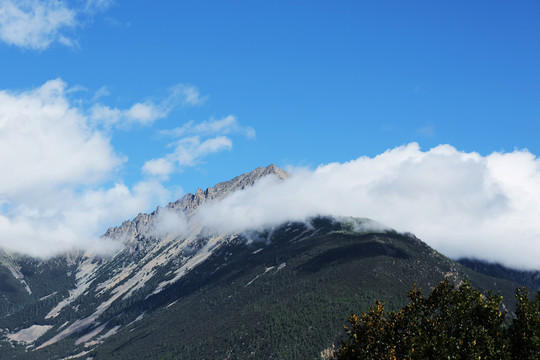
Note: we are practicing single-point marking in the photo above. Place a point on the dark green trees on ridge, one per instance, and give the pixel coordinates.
(451, 323)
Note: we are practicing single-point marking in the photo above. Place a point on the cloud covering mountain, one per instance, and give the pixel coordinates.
(462, 204)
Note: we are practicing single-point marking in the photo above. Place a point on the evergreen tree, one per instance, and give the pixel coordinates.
(525, 330)
(451, 323)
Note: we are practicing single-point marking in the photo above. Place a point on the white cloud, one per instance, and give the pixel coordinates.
(147, 112)
(462, 204)
(45, 142)
(161, 167)
(70, 220)
(54, 166)
(36, 24)
(169, 223)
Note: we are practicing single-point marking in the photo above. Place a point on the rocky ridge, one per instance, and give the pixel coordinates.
(189, 203)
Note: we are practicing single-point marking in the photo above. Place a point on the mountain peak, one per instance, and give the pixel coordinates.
(272, 169)
(190, 202)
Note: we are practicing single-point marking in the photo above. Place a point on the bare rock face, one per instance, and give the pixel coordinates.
(189, 203)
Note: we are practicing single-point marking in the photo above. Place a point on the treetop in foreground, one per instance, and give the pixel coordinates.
(451, 323)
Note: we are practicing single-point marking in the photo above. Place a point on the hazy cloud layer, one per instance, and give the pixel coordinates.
(54, 166)
(36, 24)
(462, 204)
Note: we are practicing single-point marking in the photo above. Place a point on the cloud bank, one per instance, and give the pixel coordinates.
(45, 142)
(37, 24)
(55, 169)
(462, 204)
(61, 186)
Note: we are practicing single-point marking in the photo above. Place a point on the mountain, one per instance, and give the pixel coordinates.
(280, 292)
(528, 278)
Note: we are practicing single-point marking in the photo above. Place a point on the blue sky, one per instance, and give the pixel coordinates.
(294, 83)
(319, 82)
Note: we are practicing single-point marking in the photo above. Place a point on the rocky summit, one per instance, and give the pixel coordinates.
(189, 203)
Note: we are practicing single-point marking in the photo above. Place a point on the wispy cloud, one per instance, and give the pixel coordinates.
(144, 113)
(37, 24)
(227, 125)
(197, 140)
(462, 204)
(93, 6)
(140, 113)
(426, 131)
(188, 151)
(101, 92)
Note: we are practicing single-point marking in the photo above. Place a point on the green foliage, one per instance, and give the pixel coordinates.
(451, 323)
(525, 330)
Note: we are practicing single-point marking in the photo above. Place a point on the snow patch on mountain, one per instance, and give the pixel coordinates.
(100, 339)
(15, 270)
(77, 326)
(48, 296)
(121, 275)
(87, 337)
(193, 261)
(85, 276)
(30, 334)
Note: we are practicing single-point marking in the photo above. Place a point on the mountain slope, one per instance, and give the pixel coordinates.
(286, 298)
(530, 279)
(72, 294)
(283, 292)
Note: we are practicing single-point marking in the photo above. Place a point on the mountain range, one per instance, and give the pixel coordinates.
(178, 290)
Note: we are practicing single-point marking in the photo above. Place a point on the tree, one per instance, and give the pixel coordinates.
(451, 323)
(524, 333)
